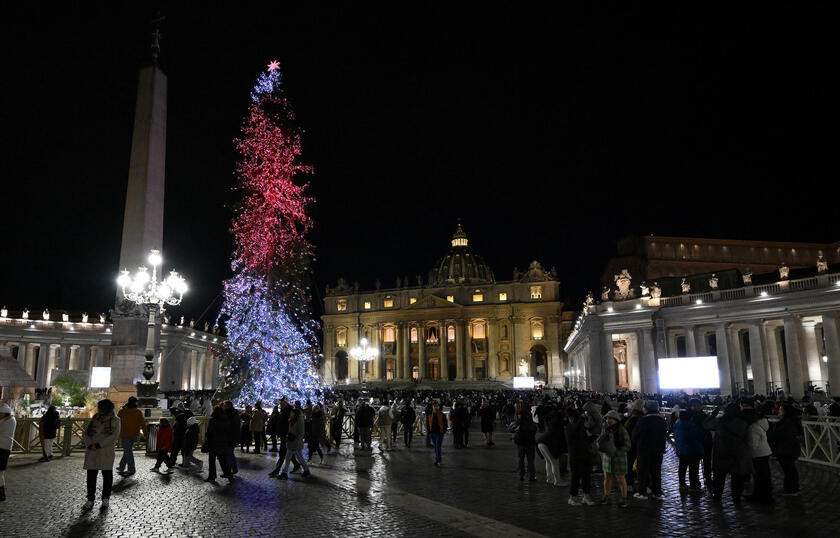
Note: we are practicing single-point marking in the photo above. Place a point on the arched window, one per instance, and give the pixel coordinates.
(479, 330)
(432, 334)
(389, 334)
(537, 329)
(414, 335)
(450, 333)
(504, 331)
(341, 336)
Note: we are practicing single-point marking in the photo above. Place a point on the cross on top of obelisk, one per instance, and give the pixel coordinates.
(156, 36)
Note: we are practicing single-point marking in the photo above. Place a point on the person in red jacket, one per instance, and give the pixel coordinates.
(164, 445)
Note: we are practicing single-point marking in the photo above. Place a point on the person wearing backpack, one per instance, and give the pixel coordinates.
(614, 444)
(525, 437)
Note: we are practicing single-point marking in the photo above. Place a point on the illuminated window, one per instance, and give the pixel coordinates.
(503, 296)
(388, 303)
(414, 335)
(536, 292)
(450, 333)
(537, 329)
(479, 330)
(341, 336)
(341, 305)
(390, 334)
(367, 305)
(478, 297)
(415, 373)
(432, 334)
(412, 300)
(450, 298)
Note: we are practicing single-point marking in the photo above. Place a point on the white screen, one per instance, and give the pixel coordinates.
(100, 377)
(521, 382)
(689, 373)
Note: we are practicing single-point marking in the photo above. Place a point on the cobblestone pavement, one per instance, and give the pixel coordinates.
(399, 493)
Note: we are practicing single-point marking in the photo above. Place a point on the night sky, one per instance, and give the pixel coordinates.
(550, 134)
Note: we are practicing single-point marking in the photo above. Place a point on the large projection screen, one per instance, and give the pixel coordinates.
(689, 373)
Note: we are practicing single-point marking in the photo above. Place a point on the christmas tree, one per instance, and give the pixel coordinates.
(271, 343)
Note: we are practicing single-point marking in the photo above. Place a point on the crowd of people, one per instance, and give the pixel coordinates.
(578, 434)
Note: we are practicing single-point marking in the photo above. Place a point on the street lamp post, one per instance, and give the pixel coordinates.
(146, 290)
(364, 354)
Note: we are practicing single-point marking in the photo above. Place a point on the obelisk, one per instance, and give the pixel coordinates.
(143, 220)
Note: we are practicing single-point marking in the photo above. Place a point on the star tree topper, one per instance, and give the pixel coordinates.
(274, 65)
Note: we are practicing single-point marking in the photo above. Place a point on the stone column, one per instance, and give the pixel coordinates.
(42, 375)
(774, 361)
(459, 349)
(702, 344)
(595, 375)
(64, 357)
(647, 361)
(23, 349)
(398, 356)
(757, 356)
(832, 350)
(793, 349)
(736, 359)
(443, 341)
(469, 367)
(84, 357)
(492, 358)
(812, 355)
(608, 360)
(691, 341)
(406, 351)
(421, 349)
(724, 363)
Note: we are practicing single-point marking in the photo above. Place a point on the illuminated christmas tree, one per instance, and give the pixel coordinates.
(270, 345)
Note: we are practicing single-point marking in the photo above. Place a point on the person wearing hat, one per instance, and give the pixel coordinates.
(614, 443)
(191, 443)
(132, 423)
(649, 435)
(7, 433)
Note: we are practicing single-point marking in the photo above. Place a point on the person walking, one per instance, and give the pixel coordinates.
(395, 423)
(731, 453)
(8, 423)
(271, 428)
(457, 418)
(217, 445)
(688, 442)
(100, 439)
(233, 432)
(487, 415)
(551, 444)
(163, 445)
(245, 429)
(650, 434)
(132, 423)
(294, 444)
(785, 439)
(580, 458)
(48, 430)
(525, 438)
(614, 444)
(385, 421)
(437, 426)
(337, 423)
(636, 409)
(286, 412)
(191, 444)
(364, 423)
(407, 418)
(257, 426)
(699, 417)
(757, 427)
(317, 433)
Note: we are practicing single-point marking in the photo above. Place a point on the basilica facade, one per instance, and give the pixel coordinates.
(461, 327)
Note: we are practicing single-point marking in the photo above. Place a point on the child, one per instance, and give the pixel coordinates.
(164, 445)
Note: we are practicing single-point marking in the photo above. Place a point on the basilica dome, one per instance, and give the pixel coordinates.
(460, 265)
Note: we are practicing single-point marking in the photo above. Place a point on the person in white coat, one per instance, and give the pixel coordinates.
(760, 452)
(100, 439)
(7, 434)
(386, 418)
